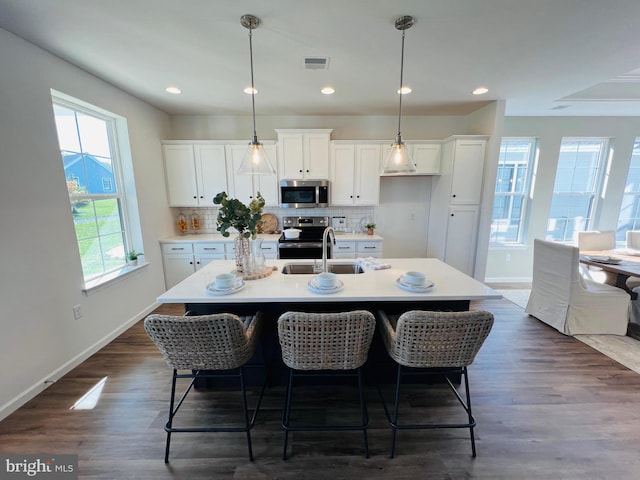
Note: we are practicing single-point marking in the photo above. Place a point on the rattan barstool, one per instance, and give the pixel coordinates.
(443, 342)
(203, 347)
(331, 344)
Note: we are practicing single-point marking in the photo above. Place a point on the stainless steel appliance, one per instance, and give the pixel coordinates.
(304, 193)
(309, 243)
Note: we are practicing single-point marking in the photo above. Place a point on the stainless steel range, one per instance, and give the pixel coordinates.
(309, 243)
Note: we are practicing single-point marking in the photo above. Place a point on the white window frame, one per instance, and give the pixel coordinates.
(125, 191)
(525, 194)
(630, 200)
(597, 182)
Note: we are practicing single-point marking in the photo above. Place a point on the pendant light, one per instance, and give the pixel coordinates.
(399, 160)
(255, 160)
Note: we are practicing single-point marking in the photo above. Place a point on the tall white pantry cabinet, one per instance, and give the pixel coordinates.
(455, 202)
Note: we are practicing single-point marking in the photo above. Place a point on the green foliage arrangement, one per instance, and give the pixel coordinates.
(370, 225)
(235, 214)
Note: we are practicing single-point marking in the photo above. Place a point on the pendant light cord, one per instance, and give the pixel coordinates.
(400, 91)
(253, 89)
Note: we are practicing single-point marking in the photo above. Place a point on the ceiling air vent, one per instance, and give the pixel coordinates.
(316, 63)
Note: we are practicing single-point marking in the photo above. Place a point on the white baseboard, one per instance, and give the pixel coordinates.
(19, 400)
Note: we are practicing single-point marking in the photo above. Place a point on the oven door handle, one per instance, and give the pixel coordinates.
(301, 245)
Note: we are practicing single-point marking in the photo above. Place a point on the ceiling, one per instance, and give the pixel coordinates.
(543, 57)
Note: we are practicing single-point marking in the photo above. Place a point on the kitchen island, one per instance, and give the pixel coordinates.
(371, 290)
(452, 290)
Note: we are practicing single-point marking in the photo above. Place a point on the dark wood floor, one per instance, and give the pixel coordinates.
(547, 406)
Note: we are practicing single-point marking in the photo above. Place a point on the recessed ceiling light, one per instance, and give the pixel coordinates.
(250, 90)
(328, 90)
(480, 90)
(404, 90)
(174, 90)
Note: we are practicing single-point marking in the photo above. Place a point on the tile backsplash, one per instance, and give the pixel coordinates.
(356, 217)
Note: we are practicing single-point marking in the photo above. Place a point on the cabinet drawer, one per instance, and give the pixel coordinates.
(209, 248)
(168, 248)
(365, 248)
(344, 247)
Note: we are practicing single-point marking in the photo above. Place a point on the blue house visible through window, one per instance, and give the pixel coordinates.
(92, 174)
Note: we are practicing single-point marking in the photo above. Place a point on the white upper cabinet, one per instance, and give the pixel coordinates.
(303, 154)
(426, 157)
(194, 173)
(355, 174)
(466, 177)
(246, 187)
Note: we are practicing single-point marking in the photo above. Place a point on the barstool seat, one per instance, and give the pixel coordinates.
(327, 344)
(444, 342)
(202, 347)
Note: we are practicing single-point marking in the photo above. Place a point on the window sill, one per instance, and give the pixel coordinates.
(104, 281)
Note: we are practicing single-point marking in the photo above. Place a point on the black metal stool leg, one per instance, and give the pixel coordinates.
(396, 406)
(470, 415)
(246, 413)
(287, 411)
(170, 422)
(365, 414)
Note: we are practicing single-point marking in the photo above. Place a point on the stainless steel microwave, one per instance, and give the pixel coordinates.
(304, 193)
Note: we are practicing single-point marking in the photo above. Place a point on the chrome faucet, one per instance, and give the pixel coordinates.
(325, 235)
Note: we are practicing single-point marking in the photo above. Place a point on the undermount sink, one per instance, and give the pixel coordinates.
(308, 268)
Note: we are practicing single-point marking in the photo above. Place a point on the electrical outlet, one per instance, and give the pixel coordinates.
(77, 312)
(507, 257)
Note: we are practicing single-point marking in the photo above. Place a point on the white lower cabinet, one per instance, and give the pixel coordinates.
(344, 249)
(181, 259)
(369, 249)
(357, 249)
(270, 250)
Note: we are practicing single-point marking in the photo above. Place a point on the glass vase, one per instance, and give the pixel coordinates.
(258, 259)
(241, 248)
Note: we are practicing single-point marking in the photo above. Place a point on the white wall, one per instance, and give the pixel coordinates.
(41, 272)
(550, 131)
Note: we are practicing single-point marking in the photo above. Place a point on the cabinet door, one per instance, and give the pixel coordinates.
(242, 184)
(267, 185)
(369, 249)
(316, 159)
(367, 175)
(290, 156)
(342, 174)
(468, 165)
(180, 175)
(202, 260)
(344, 249)
(212, 172)
(460, 249)
(177, 267)
(426, 158)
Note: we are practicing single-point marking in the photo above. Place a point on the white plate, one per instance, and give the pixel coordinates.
(414, 288)
(315, 288)
(213, 290)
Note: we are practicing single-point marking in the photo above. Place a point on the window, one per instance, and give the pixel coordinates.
(629, 218)
(513, 182)
(91, 162)
(578, 183)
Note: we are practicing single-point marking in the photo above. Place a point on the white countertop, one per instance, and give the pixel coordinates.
(372, 285)
(271, 237)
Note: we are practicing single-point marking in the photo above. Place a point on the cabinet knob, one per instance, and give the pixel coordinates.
(195, 196)
(307, 171)
(357, 196)
(453, 215)
(350, 196)
(201, 196)
(454, 195)
(300, 170)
